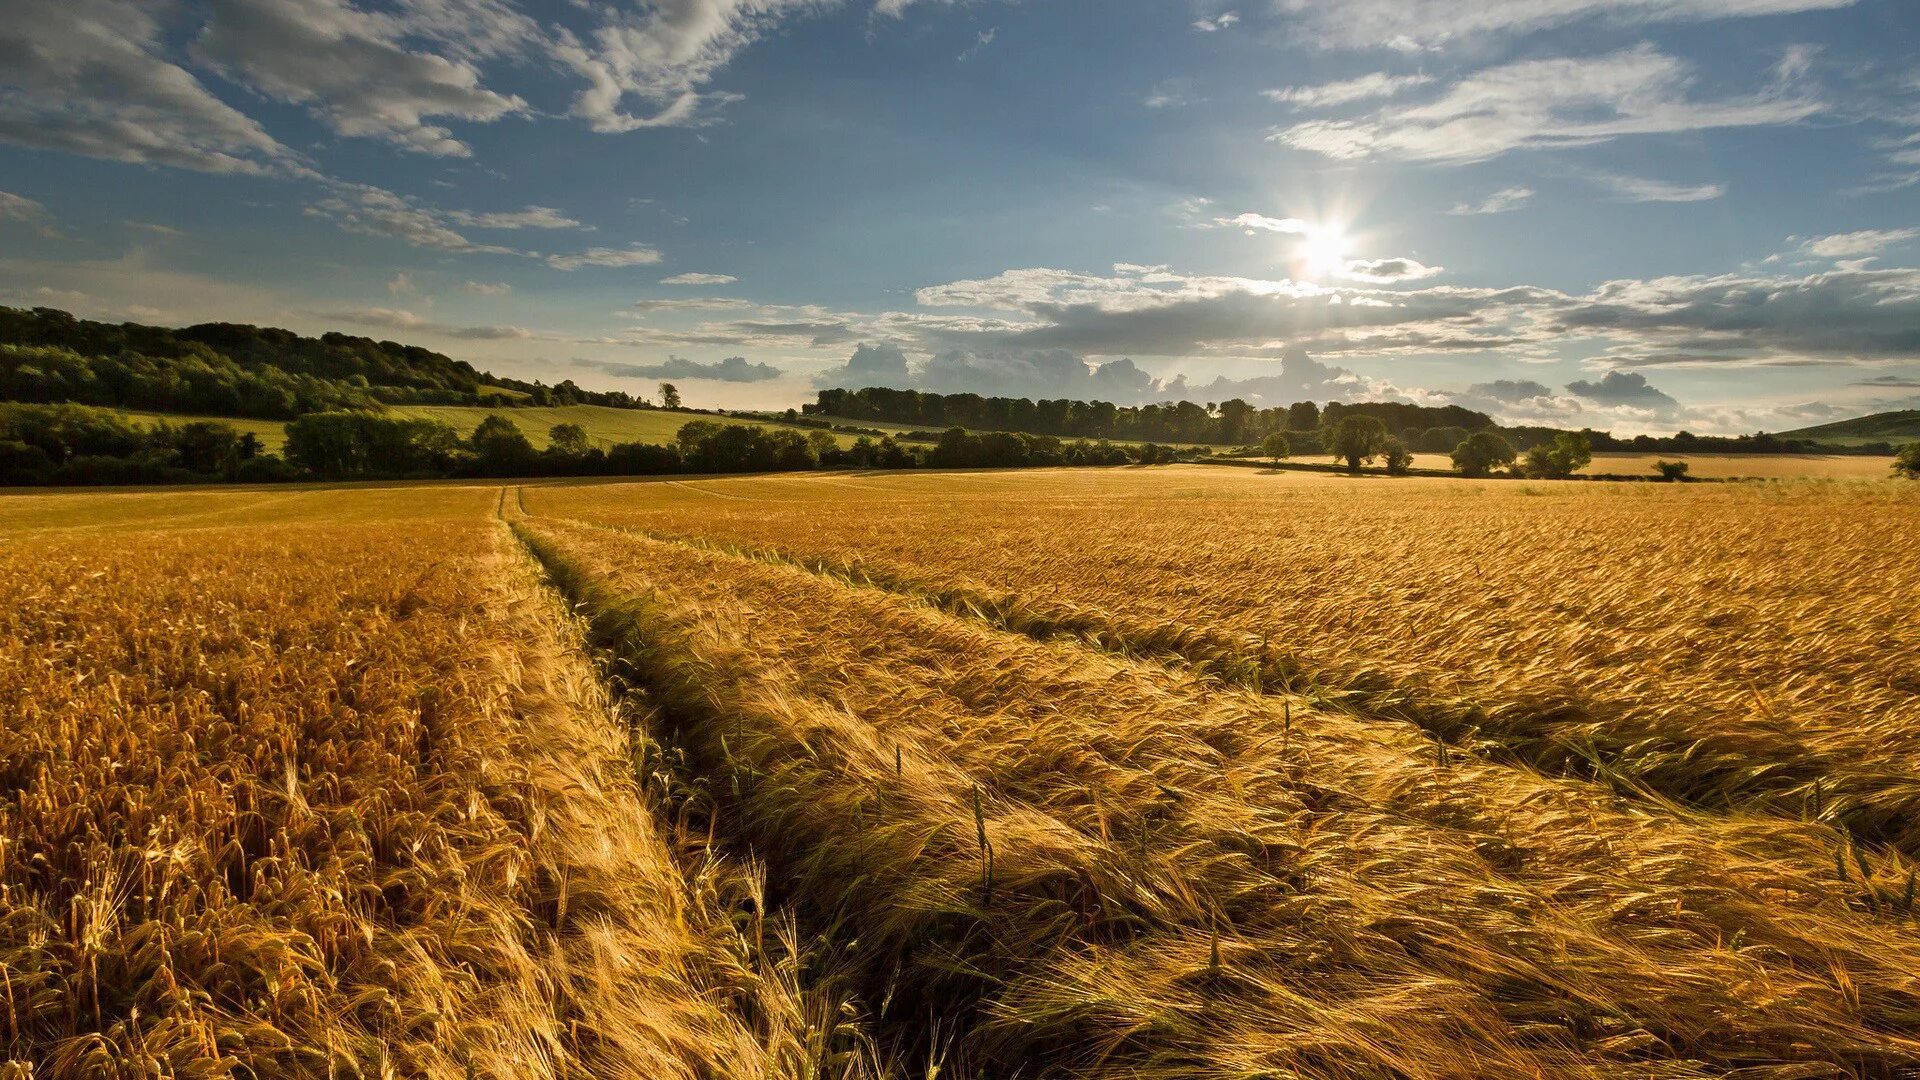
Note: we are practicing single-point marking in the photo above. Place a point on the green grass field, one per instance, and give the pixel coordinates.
(604, 426)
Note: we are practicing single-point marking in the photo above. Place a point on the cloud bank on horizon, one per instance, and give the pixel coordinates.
(1640, 215)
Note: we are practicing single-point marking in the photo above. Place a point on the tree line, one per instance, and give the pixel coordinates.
(1231, 423)
(78, 444)
(1421, 428)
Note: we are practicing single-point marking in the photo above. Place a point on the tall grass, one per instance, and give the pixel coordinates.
(1109, 869)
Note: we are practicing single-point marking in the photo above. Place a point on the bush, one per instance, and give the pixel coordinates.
(1907, 462)
(1399, 459)
(642, 459)
(266, 469)
(1671, 471)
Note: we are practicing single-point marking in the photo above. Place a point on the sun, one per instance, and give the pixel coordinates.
(1322, 252)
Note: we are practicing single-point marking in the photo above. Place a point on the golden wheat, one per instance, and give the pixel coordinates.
(1168, 876)
(1720, 645)
(297, 800)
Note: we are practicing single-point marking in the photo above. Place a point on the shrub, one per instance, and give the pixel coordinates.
(1671, 471)
(1907, 462)
(1399, 459)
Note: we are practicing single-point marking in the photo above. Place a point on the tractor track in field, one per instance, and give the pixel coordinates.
(1556, 738)
(806, 797)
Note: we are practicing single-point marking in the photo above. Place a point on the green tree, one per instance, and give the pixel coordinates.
(1671, 471)
(569, 440)
(1354, 438)
(1399, 459)
(1480, 452)
(669, 396)
(1275, 446)
(500, 447)
(1907, 462)
(1570, 452)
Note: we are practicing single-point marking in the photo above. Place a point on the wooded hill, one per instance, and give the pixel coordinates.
(235, 369)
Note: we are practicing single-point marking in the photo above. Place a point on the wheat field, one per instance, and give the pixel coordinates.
(1170, 773)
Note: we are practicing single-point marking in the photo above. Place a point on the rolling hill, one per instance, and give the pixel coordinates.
(1894, 427)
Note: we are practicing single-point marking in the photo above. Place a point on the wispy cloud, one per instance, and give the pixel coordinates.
(1644, 189)
(1552, 103)
(1500, 202)
(1852, 245)
(20, 208)
(637, 255)
(402, 319)
(533, 217)
(1213, 24)
(1365, 88)
(699, 279)
(1416, 25)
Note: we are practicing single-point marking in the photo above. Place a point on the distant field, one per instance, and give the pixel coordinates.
(604, 426)
(1115, 774)
(271, 433)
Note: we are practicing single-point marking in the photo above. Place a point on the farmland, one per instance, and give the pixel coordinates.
(604, 426)
(1124, 773)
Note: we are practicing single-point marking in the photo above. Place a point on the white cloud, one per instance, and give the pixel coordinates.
(699, 279)
(1365, 88)
(488, 288)
(20, 208)
(1388, 271)
(1412, 25)
(733, 369)
(1500, 202)
(533, 217)
(351, 69)
(373, 211)
(401, 319)
(402, 285)
(1624, 388)
(1855, 244)
(665, 54)
(637, 255)
(1216, 23)
(1550, 103)
(980, 41)
(1253, 223)
(1642, 189)
(86, 77)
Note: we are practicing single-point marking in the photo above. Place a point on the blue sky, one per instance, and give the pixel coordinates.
(1640, 215)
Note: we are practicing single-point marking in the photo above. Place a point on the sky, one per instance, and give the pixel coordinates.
(1636, 215)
